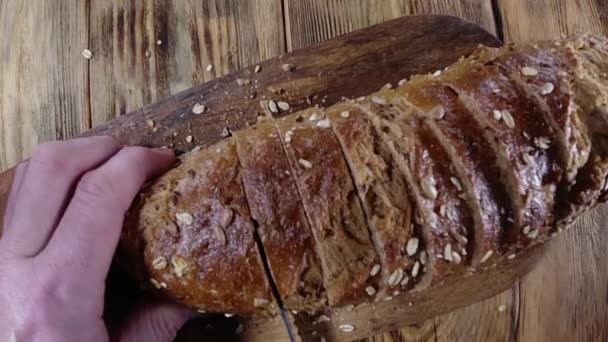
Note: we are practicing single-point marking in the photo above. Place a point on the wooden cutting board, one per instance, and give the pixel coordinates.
(352, 65)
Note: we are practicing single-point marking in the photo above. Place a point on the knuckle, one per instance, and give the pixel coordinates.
(50, 157)
(136, 153)
(95, 186)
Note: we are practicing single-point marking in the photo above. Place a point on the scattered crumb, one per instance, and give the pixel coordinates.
(86, 53)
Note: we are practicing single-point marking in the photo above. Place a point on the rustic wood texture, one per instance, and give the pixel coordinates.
(48, 91)
(43, 77)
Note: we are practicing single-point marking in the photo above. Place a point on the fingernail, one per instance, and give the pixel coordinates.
(164, 150)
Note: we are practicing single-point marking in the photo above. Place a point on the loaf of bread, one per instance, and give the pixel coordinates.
(413, 186)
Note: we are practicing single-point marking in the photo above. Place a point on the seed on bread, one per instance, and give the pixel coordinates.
(159, 263)
(542, 142)
(184, 218)
(412, 246)
(456, 257)
(395, 277)
(415, 269)
(447, 252)
(227, 217)
(428, 188)
(305, 163)
(288, 136)
(198, 108)
(180, 265)
(507, 118)
(260, 302)
(347, 328)
(323, 123)
(375, 269)
(379, 100)
(284, 106)
(547, 88)
(486, 256)
(528, 71)
(155, 283)
(219, 234)
(272, 106)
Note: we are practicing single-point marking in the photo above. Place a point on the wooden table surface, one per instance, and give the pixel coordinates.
(148, 49)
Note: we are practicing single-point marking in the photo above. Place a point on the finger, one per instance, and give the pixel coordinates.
(86, 237)
(51, 174)
(15, 187)
(157, 322)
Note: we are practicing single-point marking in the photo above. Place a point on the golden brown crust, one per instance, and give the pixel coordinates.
(552, 87)
(383, 192)
(473, 160)
(332, 206)
(198, 239)
(523, 143)
(281, 222)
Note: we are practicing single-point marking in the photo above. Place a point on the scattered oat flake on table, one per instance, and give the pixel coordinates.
(209, 67)
(257, 69)
(502, 308)
(159, 42)
(86, 53)
(288, 67)
(189, 139)
(284, 106)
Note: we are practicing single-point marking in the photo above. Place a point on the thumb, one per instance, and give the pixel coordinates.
(155, 322)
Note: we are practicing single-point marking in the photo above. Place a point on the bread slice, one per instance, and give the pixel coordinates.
(197, 238)
(474, 161)
(522, 140)
(280, 219)
(549, 82)
(349, 259)
(442, 214)
(382, 189)
(591, 93)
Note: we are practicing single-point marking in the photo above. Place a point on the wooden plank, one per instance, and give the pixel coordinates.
(565, 297)
(147, 50)
(43, 75)
(543, 19)
(311, 21)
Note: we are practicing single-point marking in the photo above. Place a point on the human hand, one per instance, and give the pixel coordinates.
(62, 224)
